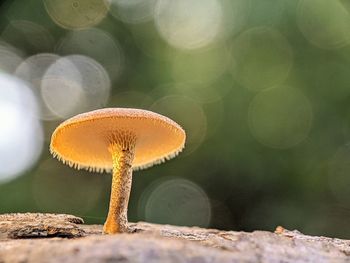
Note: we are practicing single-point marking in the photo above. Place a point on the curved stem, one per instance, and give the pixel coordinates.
(117, 220)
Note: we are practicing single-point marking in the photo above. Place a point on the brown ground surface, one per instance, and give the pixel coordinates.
(30, 237)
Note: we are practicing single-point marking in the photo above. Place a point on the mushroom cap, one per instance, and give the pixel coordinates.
(83, 140)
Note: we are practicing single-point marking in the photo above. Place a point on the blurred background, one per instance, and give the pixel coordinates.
(261, 87)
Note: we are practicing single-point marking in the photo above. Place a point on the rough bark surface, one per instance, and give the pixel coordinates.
(64, 238)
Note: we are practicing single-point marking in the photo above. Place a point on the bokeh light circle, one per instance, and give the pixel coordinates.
(28, 36)
(32, 71)
(95, 81)
(176, 202)
(75, 84)
(21, 134)
(189, 24)
(326, 24)
(262, 58)
(280, 117)
(76, 14)
(61, 88)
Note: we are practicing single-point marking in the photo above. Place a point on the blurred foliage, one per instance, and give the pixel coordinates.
(263, 95)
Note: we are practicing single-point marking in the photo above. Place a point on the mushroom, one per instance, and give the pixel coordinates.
(118, 140)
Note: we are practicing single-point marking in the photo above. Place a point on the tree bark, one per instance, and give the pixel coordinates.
(64, 238)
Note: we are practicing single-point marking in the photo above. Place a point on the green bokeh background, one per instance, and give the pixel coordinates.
(274, 146)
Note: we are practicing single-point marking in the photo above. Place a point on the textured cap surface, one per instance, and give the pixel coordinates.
(82, 141)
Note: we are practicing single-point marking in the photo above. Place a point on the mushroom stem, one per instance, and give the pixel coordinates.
(117, 219)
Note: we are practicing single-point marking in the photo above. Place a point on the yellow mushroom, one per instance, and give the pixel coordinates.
(118, 140)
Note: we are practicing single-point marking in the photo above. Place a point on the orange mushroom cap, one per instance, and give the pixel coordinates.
(83, 140)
